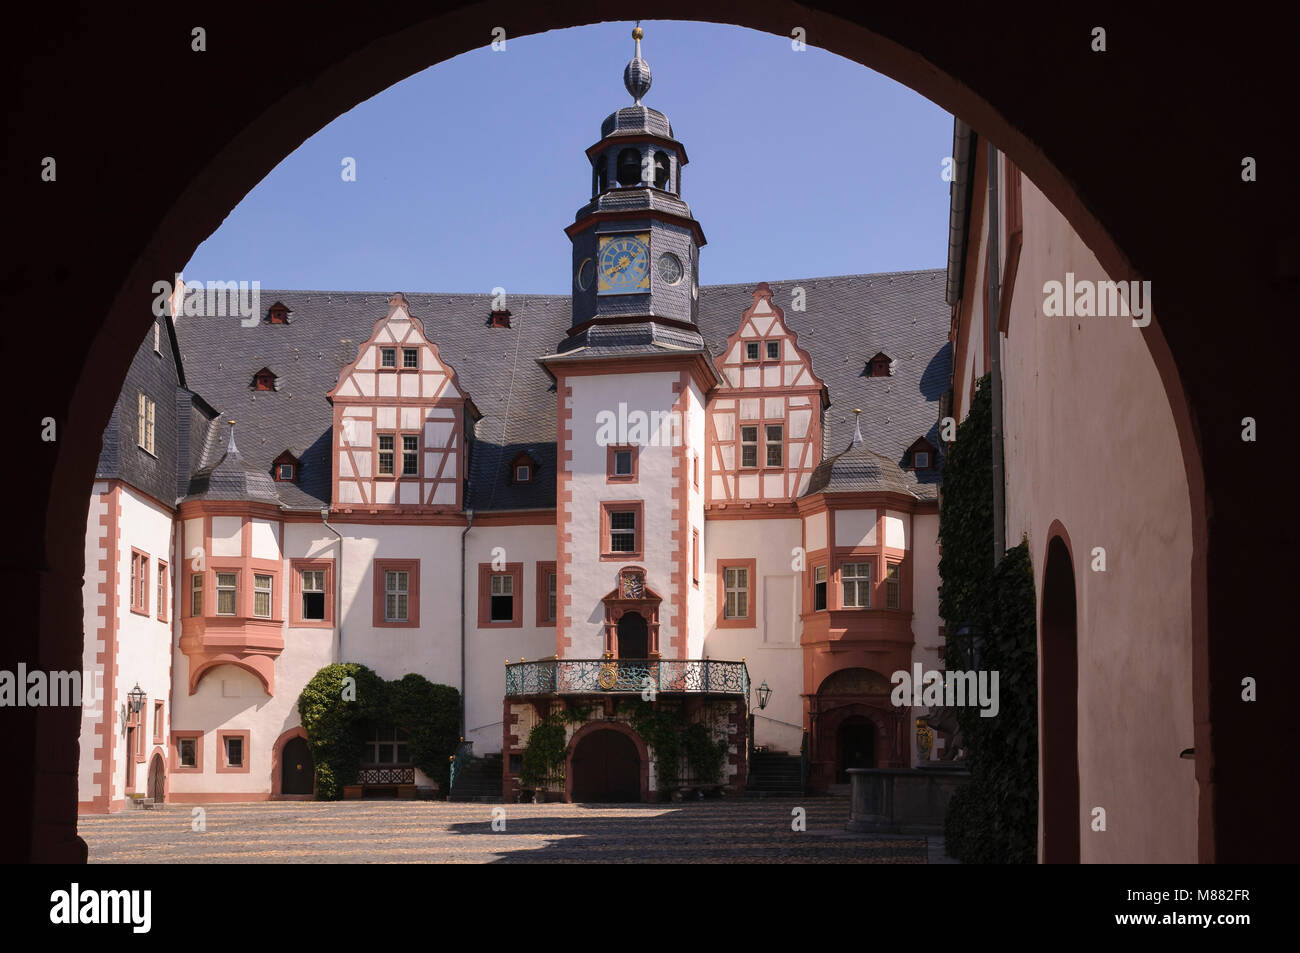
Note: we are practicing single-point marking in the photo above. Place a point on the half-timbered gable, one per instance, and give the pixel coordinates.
(399, 423)
(764, 425)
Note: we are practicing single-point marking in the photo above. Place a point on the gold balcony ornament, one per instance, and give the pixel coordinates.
(608, 677)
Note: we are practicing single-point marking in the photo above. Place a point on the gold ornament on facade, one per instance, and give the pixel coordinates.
(608, 677)
(924, 738)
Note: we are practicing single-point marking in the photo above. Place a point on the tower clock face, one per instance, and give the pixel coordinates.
(623, 264)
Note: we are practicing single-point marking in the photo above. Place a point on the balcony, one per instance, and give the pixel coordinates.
(611, 676)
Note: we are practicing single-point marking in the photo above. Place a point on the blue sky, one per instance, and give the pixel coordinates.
(801, 164)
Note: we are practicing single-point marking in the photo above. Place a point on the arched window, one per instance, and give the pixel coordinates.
(629, 167)
(602, 172)
(662, 164)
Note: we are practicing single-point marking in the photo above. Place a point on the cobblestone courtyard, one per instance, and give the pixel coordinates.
(739, 831)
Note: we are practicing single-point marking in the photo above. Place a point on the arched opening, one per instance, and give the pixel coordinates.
(157, 778)
(297, 772)
(633, 636)
(662, 164)
(1059, 694)
(855, 746)
(606, 768)
(262, 118)
(629, 167)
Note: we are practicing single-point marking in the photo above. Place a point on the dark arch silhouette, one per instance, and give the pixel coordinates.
(1105, 136)
(1059, 692)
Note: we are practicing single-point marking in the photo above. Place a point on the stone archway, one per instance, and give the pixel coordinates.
(1128, 213)
(630, 747)
(286, 755)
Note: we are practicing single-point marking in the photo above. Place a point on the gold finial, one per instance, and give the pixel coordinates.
(636, 31)
(857, 410)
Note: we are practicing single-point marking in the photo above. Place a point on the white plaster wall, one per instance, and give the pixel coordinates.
(855, 528)
(487, 649)
(771, 649)
(1090, 440)
(143, 642)
(593, 578)
(697, 617)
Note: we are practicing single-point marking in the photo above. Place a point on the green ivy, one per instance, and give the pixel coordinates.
(546, 746)
(338, 722)
(994, 819)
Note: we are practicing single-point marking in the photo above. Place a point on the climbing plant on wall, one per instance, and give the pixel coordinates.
(339, 714)
(989, 610)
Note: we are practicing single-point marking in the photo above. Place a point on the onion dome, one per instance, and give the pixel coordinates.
(636, 77)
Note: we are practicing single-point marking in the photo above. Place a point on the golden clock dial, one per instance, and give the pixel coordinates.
(623, 264)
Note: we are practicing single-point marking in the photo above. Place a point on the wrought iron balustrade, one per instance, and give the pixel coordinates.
(632, 676)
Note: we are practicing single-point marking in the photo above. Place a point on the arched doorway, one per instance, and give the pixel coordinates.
(1058, 742)
(297, 772)
(156, 778)
(855, 746)
(606, 768)
(633, 636)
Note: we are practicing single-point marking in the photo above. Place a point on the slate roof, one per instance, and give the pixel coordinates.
(847, 320)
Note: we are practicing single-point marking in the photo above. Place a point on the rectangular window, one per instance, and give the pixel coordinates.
(695, 557)
(892, 591)
(547, 591)
(622, 531)
(387, 746)
(386, 447)
(227, 591)
(774, 442)
(921, 459)
(695, 469)
(856, 579)
(773, 350)
(157, 723)
(262, 595)
(313, 595)
(410, 456)
(736, 586)
(819, 588)
(503, 598)
(552, 586)
(145, 423)
(397, 596)
(234, 752)
(286, 471)
(751, 351)
(749, 446)
(187, 752)
(622, 462)
(196, 594)
(522, 473)
(139, 582)
(162, 590)
(388, 357)
(410, 358)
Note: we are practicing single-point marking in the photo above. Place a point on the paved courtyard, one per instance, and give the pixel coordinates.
(737, 831)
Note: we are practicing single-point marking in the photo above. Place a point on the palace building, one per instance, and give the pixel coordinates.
(721, 499)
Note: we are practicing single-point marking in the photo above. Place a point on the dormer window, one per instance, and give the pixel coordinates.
(285, 468)
(879, 365)
(523, 469)
(278, 314)
(500, 318)
(920, 455)
(264, 379)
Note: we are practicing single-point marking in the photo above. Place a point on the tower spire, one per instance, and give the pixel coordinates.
(636, 77)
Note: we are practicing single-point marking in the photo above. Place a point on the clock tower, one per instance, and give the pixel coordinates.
(635, 244)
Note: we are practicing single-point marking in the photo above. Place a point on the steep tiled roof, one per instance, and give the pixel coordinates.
(846, 320)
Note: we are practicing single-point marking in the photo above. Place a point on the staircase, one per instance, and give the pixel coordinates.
(773, 774)
(479, 780)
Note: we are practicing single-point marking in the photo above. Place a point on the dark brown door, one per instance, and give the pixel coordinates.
(130, 760)
(156, 779)
(857, 746)
(633, 637)
(606, 768)
(297, 774)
